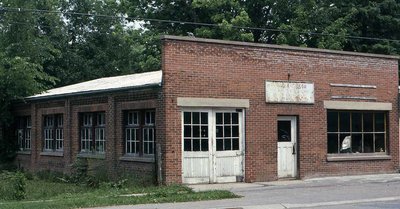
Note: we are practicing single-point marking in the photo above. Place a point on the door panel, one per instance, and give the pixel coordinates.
(195, 147)
(287, 154)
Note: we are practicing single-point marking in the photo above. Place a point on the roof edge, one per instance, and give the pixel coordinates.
(57, 96)
(273, 46)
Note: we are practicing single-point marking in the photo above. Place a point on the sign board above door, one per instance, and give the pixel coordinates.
(289, 92)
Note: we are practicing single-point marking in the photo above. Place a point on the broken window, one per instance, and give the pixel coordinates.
(356, 132)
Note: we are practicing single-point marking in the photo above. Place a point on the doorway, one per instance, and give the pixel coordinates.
(212, 145)
(287, 146)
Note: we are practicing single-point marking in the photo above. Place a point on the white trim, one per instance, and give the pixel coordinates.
(212, 102)
(346, 105)
(353, 97)
(352, 85)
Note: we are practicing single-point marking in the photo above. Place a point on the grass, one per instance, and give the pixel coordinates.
(43, 194)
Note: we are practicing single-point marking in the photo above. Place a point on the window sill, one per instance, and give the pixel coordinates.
(25, 152)
(91, 155)
(357, 157)
(137, 159)
(49, 153)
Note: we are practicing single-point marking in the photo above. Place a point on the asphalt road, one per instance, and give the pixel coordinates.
(350, 192)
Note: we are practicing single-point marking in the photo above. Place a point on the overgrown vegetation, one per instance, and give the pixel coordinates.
(12, 186)
(48, 189)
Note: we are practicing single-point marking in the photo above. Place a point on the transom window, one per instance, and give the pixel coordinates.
(357, 132)
(139, 132)
(53, 133)
(24, 126)
(93, 132)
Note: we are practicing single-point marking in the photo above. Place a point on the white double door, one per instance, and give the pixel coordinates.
(212, 145)
(287, 147)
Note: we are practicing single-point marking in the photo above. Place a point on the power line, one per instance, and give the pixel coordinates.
(20, 10)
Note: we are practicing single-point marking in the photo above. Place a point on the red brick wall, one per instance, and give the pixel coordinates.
(113, 105)
(210, 70)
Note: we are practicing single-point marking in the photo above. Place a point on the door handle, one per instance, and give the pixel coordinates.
(294, 149)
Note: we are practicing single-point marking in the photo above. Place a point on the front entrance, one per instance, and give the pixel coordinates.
(287, 150)
(212, 146)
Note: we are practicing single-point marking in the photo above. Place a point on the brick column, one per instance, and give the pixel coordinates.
(68, 161)
(111, 152)
(35, 138)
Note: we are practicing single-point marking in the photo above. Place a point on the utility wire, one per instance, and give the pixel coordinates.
(20, 10)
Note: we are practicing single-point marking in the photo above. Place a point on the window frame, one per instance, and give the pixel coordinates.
(361, 133)
(24, 133)
(135, 145)
(93, 127)
(53, 133)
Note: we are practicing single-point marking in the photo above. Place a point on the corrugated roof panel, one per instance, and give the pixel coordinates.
(104, 84)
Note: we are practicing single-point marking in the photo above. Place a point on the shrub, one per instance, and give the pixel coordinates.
(12, 186)
(51, 176)
(89, 173)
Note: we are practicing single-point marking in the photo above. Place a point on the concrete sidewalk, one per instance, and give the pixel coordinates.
(341, 192)
(311, 182)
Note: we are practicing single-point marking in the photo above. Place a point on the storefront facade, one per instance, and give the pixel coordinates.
(224, 111)
(236, 111)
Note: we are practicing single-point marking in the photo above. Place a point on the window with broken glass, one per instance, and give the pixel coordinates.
(357, 132)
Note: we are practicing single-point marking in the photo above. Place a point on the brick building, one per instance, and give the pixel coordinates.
(223, 111)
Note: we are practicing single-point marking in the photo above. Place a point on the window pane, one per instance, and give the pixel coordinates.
(227, 144)
(220, 144)
(204, 145)
(204, 131)
(379, 122)
(196, 118)
(227, 118)
(344, 124)
(187, 118)
(196, 144)
(219, 131)
(204, 118)
(284, 131)
(218, 118)
(333, 143)
(356, 122)
(356, 143)
(380, 143)
(196, 131)
(227, 131)
(368, 143)
(332, 122)
(235, 144)
(235, 118)
(187, 131)
(345, 145)
(187, 145)
(235, 131)
(368, 122)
